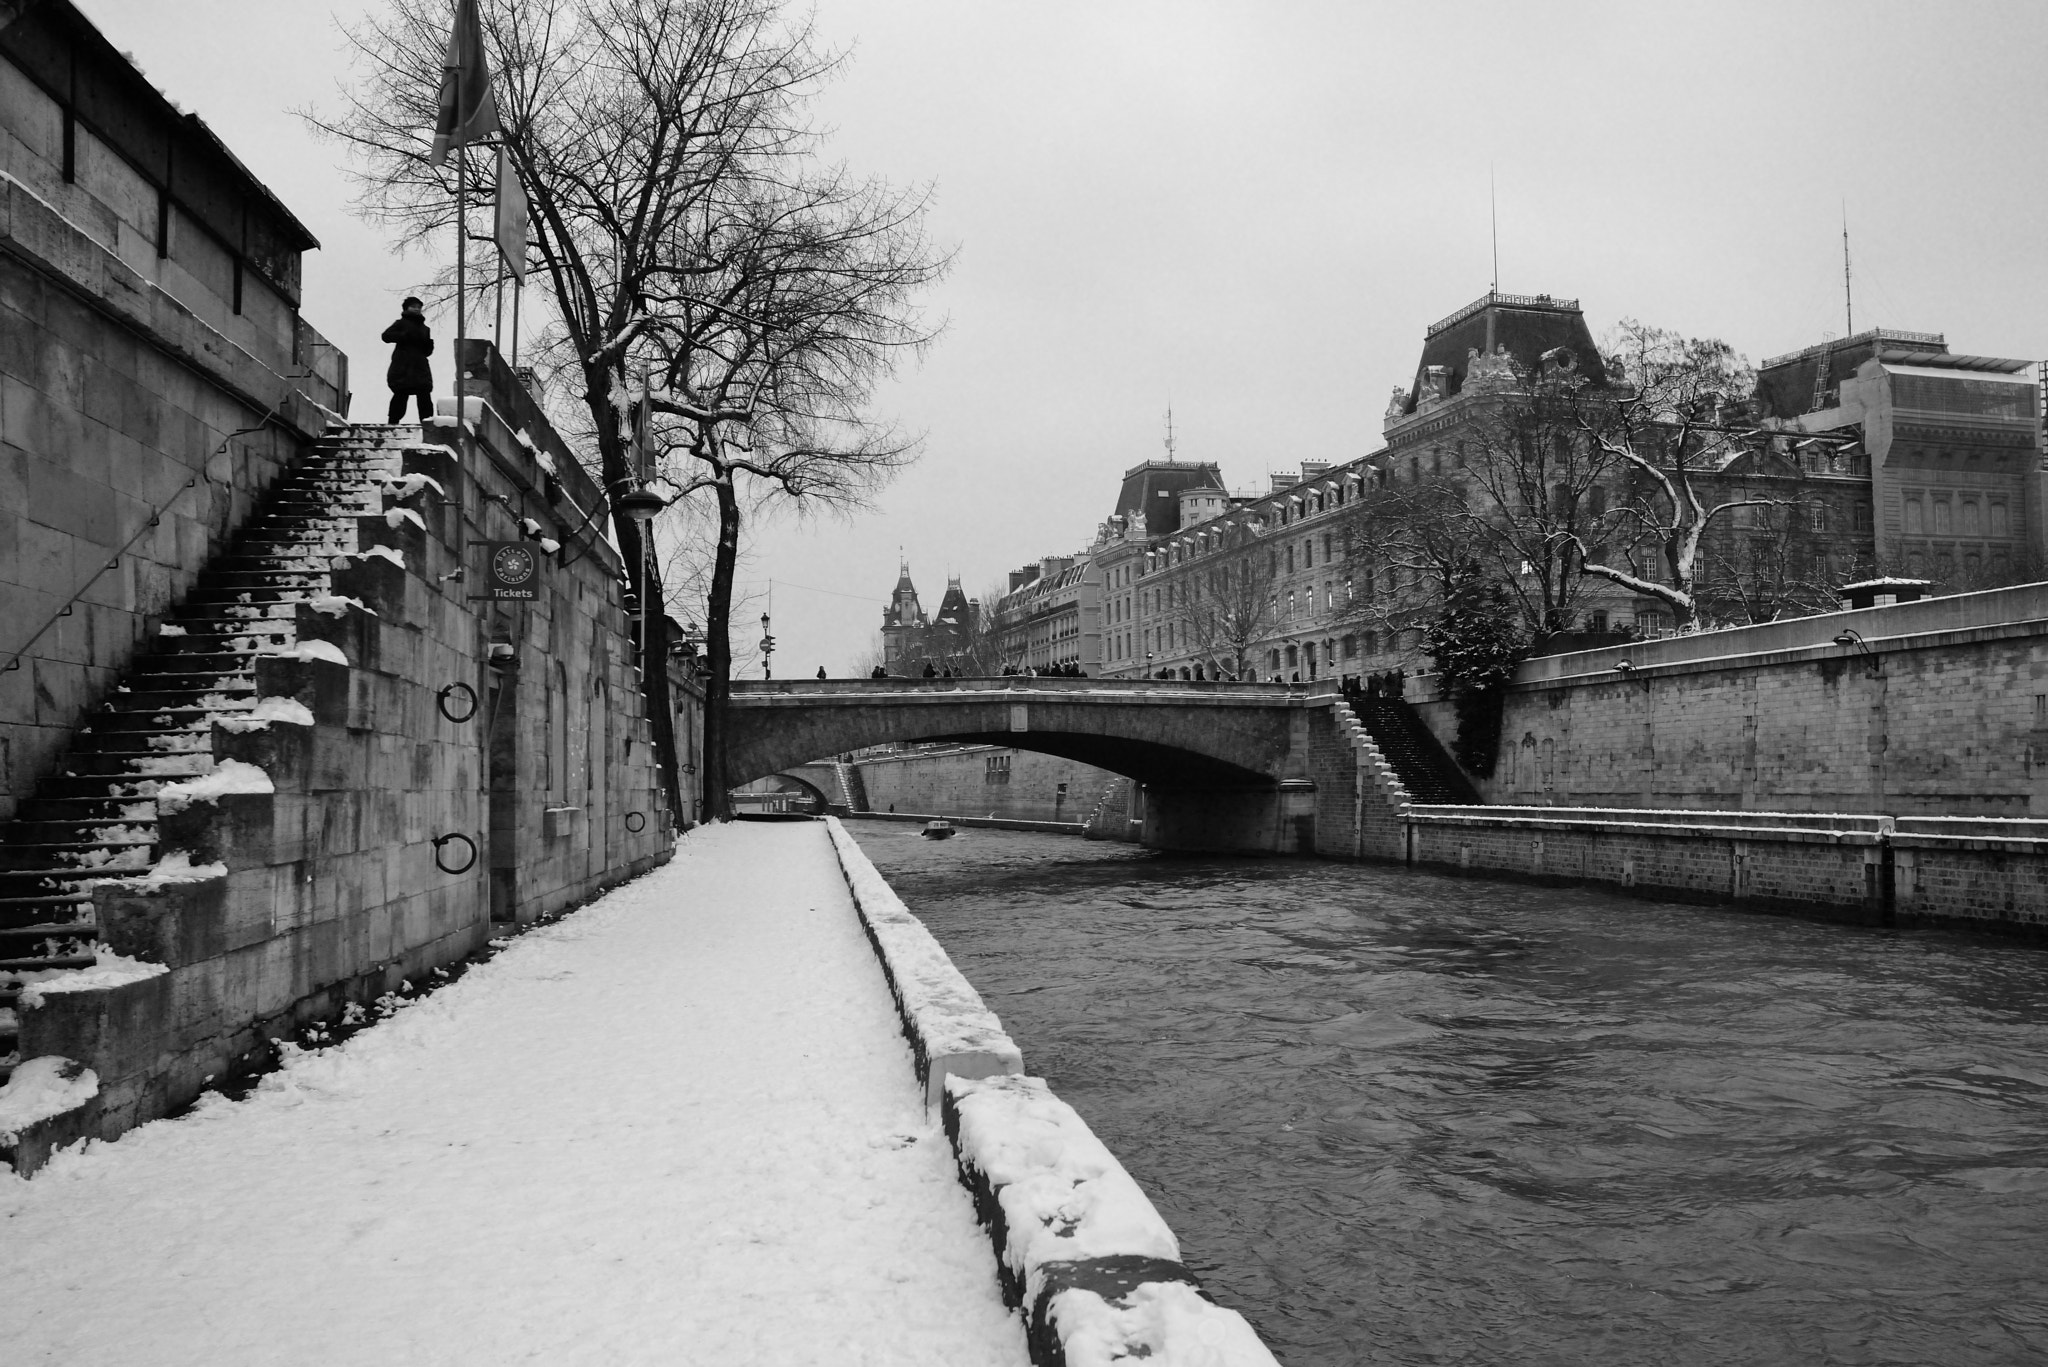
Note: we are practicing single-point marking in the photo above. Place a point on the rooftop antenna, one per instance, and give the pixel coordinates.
(1169, 429)
(1493, 219)
(1848, 299)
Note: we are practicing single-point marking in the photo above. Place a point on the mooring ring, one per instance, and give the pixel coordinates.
(632, 817)
(441, 840)
(441, 700)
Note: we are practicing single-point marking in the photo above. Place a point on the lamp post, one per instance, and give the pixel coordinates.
(767, 647)
(642, 504)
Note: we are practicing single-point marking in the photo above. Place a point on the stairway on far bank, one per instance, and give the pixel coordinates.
(1406, 742)
(96, 817)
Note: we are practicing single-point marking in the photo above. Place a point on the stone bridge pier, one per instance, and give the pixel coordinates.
(1223, 766)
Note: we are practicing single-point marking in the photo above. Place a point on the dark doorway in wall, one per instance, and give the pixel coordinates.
(501, 761)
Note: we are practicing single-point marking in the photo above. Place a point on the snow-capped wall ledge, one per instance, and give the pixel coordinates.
(228, 776)
(311, 650)
(951, 1032)
(109, 969)
(266, 711)
(1078, 1245)
(42, 1089)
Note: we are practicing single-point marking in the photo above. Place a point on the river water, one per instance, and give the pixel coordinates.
(1406, 1118)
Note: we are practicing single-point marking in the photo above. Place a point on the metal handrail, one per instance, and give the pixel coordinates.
(155, 519)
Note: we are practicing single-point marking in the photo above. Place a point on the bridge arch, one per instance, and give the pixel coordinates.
(786, 784)
(1186, 736)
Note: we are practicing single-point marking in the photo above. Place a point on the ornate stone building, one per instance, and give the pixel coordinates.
(945, 640)
(1881, 453)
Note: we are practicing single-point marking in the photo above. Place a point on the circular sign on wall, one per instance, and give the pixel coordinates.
(514, 570)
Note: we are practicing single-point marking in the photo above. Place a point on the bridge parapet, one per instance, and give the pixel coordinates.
(1019, 689)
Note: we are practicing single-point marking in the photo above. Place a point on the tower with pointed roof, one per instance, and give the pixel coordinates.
(903, 626)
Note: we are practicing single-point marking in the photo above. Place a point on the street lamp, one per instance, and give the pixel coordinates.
(767, 647)
(641, 504)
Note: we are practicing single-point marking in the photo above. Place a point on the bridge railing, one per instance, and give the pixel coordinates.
(1021, 686)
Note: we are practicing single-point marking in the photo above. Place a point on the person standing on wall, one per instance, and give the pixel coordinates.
(410, 376)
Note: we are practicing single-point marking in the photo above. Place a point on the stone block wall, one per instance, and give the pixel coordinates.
(1973, 873)
(984, 780)
(1812, 868)
(1359, 798)
(134, 437)
(406, 820)
(1935, 708)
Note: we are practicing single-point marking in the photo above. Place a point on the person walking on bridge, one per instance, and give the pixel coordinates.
(409, 375)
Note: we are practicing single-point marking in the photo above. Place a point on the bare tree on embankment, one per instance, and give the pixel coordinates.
(1228, 610)
(696, 253)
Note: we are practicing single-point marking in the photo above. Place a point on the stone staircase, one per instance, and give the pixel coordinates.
(853, 786)
(1412, 751)
(1110, 817)
(96, 818)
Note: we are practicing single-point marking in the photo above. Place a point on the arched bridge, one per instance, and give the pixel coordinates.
(1224, 765)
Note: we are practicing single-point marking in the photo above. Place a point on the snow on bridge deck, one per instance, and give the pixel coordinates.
(679, 1126)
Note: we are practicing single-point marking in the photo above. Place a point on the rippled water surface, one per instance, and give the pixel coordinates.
(1401, 1118)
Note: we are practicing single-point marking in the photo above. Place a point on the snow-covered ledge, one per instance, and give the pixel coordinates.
(1078, 1246)
(951, 1032)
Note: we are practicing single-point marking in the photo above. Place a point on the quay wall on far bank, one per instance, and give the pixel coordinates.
(1937, 708)
(1972, 873)
(987, 781)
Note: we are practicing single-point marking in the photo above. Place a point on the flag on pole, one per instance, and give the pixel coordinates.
(510, 229)
(466, 111)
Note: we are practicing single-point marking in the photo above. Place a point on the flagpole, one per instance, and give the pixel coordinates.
(461, 241)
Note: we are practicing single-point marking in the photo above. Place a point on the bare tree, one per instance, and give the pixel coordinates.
(1779, 565)
(765, 365)
(1407, 548)
(1525, 476)
(687, 237)
(1679, 418)
(1227, 609)
(874, 657)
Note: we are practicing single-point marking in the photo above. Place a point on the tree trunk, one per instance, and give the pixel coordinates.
(632, 549)
(718, 651)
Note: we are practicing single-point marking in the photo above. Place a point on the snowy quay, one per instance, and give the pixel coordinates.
(741, 1110)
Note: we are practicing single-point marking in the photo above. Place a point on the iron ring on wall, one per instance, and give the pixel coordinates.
(441, 699)
(441, 840)
(632, 817)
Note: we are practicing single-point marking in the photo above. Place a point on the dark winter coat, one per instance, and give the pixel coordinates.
(411, 343)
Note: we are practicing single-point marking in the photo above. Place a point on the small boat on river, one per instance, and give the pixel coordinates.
(941, 829)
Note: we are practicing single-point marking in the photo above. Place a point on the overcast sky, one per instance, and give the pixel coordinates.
(1252, 211)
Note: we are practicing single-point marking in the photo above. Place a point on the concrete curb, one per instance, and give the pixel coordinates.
(1079, 1248)
(951, 1032)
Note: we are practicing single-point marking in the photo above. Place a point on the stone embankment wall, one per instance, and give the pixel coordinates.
(984, 781)
(468, 764)
(1079, 1248)
(1934, 708)
(135, 435)
(1964, 872)
(1971, 872)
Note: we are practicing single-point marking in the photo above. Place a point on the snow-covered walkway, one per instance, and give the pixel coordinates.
(679, 1126)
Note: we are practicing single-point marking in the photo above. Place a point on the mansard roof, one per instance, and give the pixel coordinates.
(1154, 488)
(954, 610)
(1524, 325)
